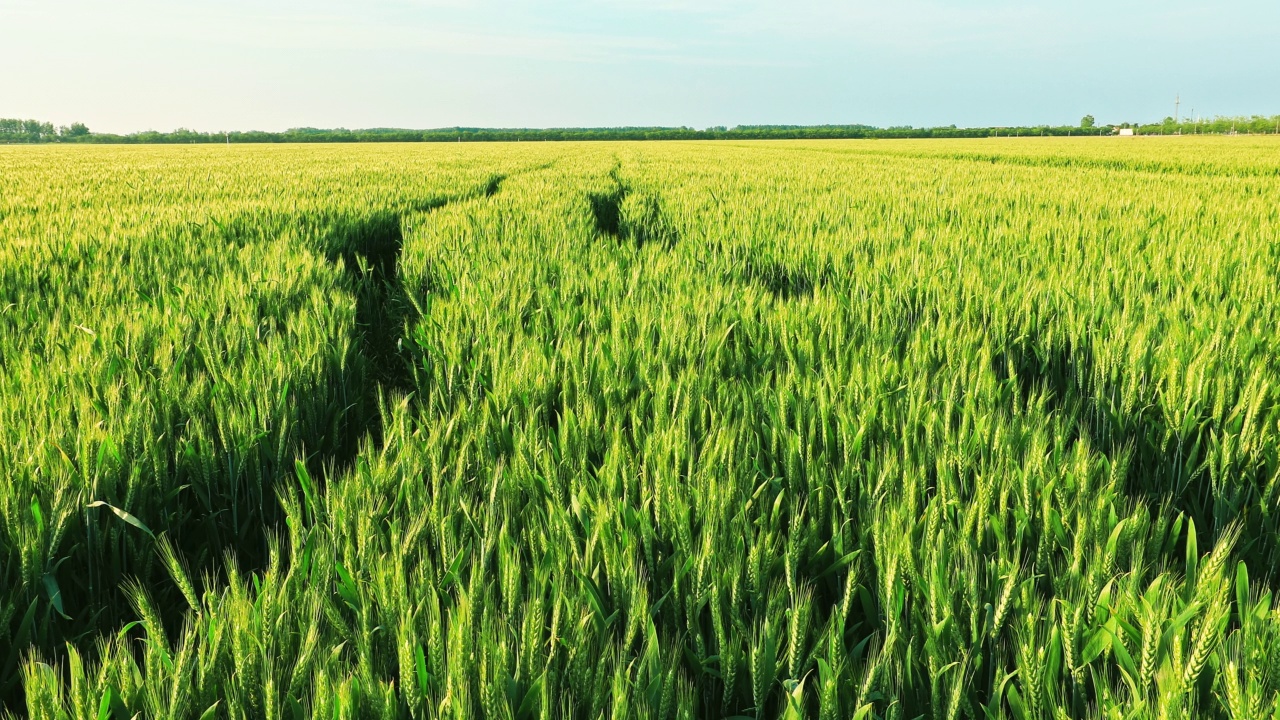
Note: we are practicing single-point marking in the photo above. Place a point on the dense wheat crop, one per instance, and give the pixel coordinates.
(972, 429)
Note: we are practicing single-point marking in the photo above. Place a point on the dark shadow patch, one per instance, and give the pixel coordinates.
(429, 204)
(606, 205)
(606, 211)
(1161, 471)
(493, 185)
(781, 281)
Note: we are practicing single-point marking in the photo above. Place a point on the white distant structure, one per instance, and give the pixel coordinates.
(1126, 132)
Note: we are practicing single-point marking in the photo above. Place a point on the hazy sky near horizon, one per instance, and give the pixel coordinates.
(273, 64)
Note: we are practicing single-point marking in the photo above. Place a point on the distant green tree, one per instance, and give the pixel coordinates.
(1087, 121)
(25, 131)
(74, 130)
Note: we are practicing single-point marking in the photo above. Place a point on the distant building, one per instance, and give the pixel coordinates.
(1126, 132)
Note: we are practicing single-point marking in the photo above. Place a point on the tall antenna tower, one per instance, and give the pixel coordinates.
(1177, 102)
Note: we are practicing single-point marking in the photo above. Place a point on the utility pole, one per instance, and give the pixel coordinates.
(1177, 101)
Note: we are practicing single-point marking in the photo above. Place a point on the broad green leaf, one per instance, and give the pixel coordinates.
(37, 514)
(420, 666)
(308, 488)
(55, 594)
(104, 706)
(1098, 643)
(124, 516)
(347, 586)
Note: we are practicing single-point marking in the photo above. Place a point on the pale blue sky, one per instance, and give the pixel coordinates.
(273, 64)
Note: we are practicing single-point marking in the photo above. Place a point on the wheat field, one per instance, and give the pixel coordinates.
(845, 429)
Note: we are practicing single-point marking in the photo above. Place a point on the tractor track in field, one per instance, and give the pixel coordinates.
(367, 248)
(369, 252)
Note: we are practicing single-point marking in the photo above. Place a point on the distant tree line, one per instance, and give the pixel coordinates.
(32, 131)
(1255, 125)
